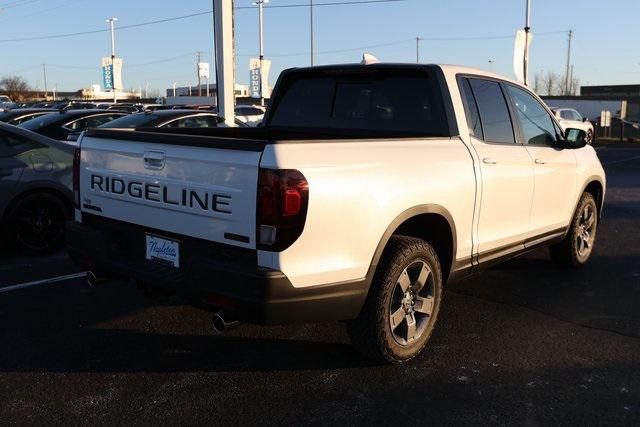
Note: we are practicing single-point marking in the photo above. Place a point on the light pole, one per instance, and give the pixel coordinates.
(527, 27)
(112, 22)
(491, 61)
(311, 29)
(174, 89)
(260, 4)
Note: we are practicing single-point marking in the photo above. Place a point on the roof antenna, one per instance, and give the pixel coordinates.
(368, 59)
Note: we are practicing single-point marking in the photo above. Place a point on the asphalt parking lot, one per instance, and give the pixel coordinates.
(523, 343)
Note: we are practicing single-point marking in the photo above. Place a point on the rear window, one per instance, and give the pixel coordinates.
(400, 102)
(42, 121)
(132, 121)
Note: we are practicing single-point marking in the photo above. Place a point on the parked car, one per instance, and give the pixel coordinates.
(366, 189)
(21, 115)
(6, 102)
(252, 115)
(570, 118)
(35, 189)
(168, 119)
(68, 124)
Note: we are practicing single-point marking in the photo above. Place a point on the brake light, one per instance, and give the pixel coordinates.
(76, 177)
(283, 196)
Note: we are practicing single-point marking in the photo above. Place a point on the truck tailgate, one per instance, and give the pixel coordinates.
(193, 186)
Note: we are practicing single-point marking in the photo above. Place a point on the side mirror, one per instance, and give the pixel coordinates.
(575, 138)
(584, 119)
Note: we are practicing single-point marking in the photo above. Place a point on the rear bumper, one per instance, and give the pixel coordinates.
(208, 279)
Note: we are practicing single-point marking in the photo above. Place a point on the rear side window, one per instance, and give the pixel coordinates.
(471, 110)
(494, 113)
(400, 102)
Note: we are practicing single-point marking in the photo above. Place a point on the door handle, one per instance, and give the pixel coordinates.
(539, 162)
(489, 161)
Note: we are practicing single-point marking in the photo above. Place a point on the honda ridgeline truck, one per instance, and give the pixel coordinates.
(367, 188)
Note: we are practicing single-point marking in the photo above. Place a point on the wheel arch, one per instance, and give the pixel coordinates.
(430, 222)
(64, 198)
(595, 187)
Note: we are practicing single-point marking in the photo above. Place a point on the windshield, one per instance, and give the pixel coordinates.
(132, 121)
(400, 102)
(40, 122)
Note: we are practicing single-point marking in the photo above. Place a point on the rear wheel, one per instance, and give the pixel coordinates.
(576, 248)
(403, 303)
(36, 222)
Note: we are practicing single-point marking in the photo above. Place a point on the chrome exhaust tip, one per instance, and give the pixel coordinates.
(92, 280)
(220, 325)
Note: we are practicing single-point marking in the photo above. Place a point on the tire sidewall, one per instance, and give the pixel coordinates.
(422, 253)
(12, 217)
(576, 259)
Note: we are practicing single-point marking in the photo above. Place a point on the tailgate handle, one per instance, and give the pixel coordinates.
(153, 159)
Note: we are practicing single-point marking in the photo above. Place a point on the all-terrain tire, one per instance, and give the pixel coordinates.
(372, 332)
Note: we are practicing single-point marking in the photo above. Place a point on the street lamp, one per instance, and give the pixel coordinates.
(491, 61)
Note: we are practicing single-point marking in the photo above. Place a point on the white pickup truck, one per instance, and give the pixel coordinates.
(366, 190)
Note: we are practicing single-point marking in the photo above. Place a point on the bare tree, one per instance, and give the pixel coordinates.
(551, 83)
(538, 80)
(574, 86)
(15, 87)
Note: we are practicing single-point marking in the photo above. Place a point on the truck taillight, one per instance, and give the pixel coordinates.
(283, 196)
(76, 177)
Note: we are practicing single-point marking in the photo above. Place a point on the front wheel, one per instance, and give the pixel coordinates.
(576, 248)
(403, 303)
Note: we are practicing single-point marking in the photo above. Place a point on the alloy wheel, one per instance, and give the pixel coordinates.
(412, 303)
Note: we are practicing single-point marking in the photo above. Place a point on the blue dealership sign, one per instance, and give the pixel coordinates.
(107, 77)
(255, 85)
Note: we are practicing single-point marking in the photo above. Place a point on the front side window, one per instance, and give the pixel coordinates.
(537, 126)
(494, 113)
(576, 115)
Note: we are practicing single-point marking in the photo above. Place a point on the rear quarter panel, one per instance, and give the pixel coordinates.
(357, 189)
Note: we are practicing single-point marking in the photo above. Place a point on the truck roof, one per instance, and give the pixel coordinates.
(447, 69)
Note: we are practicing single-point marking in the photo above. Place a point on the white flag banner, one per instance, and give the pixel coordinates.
(519, 54)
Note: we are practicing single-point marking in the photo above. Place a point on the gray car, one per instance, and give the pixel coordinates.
(35, 188)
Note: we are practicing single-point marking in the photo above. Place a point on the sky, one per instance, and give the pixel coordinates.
(605, 48)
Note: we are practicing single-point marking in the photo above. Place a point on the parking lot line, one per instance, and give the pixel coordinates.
(43, 282)
(621, 160)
